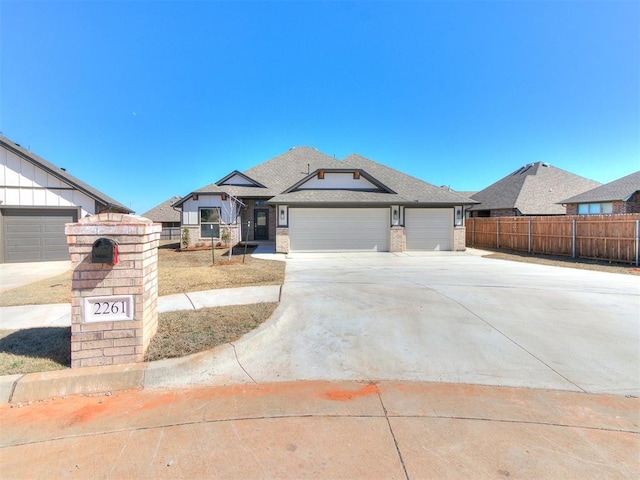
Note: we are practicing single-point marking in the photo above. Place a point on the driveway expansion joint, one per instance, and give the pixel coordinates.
(461, 305)
(393, 435)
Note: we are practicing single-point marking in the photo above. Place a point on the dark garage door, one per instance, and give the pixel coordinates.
(35, 235)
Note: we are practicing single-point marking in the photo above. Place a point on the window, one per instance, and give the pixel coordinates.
(209, 222)
(595, 208)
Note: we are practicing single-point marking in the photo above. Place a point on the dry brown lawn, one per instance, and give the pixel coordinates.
(185, 332)
(178, 272)
(559, 261)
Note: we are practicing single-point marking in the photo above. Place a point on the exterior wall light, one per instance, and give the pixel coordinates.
(458, 220)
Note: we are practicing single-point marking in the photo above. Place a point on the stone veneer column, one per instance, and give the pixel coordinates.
(282, 240)
(136, 274)
(397, 240)
(459, 239)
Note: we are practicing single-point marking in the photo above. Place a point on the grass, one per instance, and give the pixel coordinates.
(185, 332)
(35, 350)
(178, 272)
(560, 261)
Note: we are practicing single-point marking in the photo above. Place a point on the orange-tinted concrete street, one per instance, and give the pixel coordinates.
(324, 430)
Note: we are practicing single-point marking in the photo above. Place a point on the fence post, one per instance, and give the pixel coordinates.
(473, 233)
(637, 242)
(498, 232)
(529, 235)
(573, 238)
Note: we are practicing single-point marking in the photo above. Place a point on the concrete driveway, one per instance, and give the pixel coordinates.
(14, 275)
(448, 317)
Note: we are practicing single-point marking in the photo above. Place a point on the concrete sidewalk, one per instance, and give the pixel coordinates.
(324, 430)
(59, 314)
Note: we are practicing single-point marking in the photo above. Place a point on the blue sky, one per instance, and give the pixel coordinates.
(144, 100)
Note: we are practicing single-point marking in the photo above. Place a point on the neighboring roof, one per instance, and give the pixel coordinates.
(468, 194)
(164, 212)
(61, 174)
(619, 190)
(278, 178)
(534, 189)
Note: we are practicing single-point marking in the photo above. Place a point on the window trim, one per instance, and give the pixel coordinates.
(201, 223)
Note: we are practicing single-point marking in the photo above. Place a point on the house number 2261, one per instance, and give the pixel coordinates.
(110, 308)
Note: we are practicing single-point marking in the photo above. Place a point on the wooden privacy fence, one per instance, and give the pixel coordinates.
(615, 238)
(170, 233)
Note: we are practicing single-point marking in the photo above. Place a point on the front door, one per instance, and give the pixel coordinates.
(261, 222)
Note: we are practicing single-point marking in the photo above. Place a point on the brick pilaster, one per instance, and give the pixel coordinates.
(114, 342)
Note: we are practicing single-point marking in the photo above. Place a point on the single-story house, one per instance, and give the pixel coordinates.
(620, 196)
(169, 217)
(36, 200)
(308, 201)
(534, 189)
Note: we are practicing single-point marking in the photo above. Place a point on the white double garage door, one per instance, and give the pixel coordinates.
(367, 229)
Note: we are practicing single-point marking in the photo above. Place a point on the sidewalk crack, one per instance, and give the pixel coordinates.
(240, 364)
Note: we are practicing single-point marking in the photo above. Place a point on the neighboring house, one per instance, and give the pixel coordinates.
(36, 200)
(168, 217)
(306, 200)
(619, 196)
(535, 189)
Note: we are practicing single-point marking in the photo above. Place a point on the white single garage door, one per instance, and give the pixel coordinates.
(338, 229)
(35, 235)
(429, 228)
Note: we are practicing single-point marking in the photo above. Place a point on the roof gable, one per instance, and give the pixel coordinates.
(63, 176)
(408, 188)
(619, 190)
(237, 178)
(340, 179)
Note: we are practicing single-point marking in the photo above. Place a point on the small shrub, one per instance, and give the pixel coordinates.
(186, 237)
(225, 235)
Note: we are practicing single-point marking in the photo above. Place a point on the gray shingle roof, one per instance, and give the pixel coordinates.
(535, 189)
(286, 170)
(410, 189)
(164, 212)
(61, 174)
(618, 190)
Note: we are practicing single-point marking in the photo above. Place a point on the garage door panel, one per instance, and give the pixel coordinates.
(355, 229)
(35, 235)
(429, 229)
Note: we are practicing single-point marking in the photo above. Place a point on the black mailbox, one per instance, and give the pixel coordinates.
(104, 250)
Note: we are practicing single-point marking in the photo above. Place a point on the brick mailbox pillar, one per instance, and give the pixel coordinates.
(114, 289)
